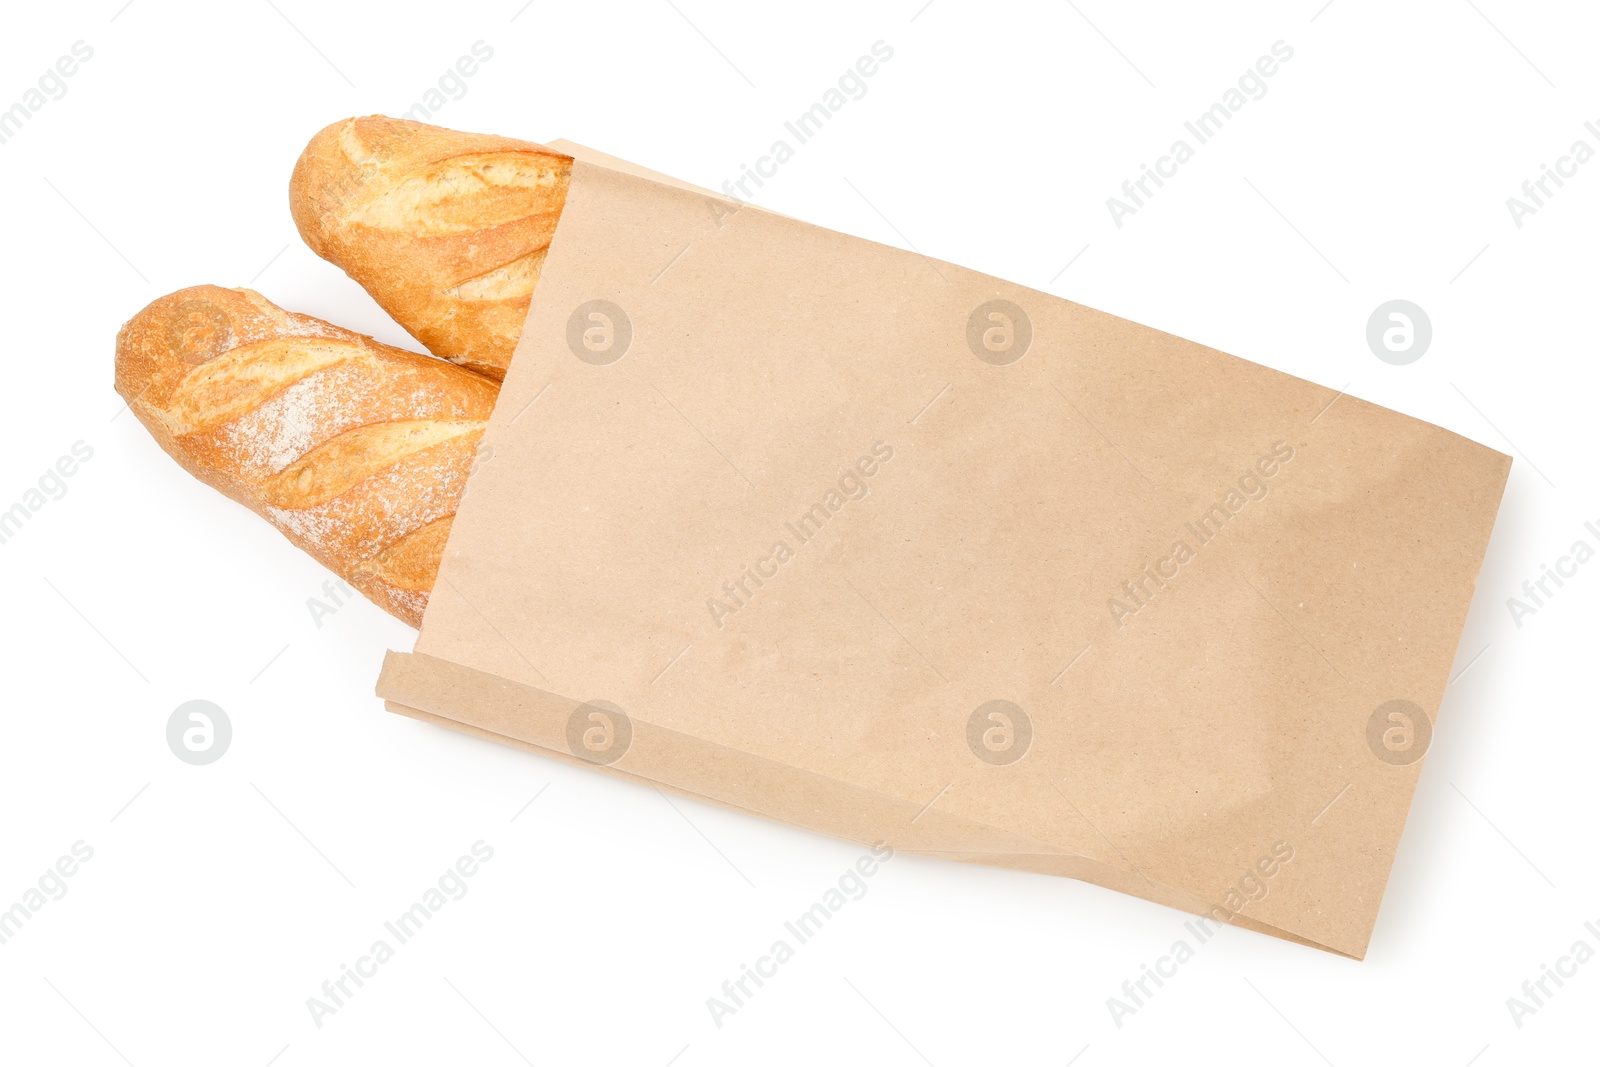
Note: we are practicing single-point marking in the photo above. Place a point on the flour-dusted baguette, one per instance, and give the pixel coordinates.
(446, 230)
(357, 451)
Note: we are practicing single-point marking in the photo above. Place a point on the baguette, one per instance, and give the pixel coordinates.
(447, 231)
(356, 451)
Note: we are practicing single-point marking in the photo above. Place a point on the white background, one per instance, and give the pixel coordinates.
(220, 898)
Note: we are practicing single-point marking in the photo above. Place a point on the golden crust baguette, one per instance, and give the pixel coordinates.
(447, 231)
(356, 451)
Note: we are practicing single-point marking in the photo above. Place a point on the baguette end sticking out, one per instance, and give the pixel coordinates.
(447, 231)
(356, 451)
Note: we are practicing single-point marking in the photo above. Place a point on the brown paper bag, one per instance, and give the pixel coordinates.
(832, 532)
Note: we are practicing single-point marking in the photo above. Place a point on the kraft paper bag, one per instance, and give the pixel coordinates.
(832, 532)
